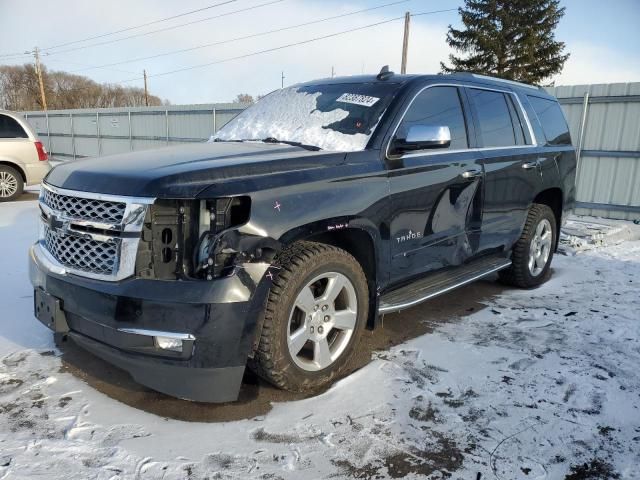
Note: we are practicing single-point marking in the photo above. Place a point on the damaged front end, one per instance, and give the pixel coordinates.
(183, 321)
(200, 240)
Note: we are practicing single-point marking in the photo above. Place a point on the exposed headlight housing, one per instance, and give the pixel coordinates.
(180, 238)
(216, 216)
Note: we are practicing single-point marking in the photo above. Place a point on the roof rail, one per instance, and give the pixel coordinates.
(504, 80)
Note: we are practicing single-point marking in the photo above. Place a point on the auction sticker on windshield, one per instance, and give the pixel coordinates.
(357, 99)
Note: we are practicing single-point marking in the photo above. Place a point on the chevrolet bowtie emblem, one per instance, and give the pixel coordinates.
(57, 224)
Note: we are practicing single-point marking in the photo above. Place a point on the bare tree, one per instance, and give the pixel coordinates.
(244, 98)
(19, 91)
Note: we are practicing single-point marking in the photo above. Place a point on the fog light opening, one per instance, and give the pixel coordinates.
(168, 343)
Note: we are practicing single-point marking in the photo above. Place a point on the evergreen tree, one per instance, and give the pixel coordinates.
(512, 39)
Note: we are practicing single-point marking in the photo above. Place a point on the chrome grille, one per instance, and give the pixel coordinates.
(93, 235)
(81, 253)
(85, 208)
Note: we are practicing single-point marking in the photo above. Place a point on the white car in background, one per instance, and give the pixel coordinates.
(23, 158)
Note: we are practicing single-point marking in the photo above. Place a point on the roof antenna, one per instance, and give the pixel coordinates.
(385, 73)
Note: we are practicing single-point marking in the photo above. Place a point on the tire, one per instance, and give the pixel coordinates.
(317, 269)
(540, 219)
(11, 184)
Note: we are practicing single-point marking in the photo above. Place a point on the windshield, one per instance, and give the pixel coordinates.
(339, 117)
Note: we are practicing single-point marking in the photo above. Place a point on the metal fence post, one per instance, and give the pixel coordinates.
(214, 120)
(98, 133)
(46, 114)
(130, 130)
(166, 116)
(583, 123)
(73, 137)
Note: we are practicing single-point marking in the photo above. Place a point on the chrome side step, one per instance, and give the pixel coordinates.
(425, 288)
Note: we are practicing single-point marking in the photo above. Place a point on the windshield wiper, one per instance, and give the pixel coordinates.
(272, 140)
(294, 144)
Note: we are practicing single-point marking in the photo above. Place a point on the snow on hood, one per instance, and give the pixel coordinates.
(292, 115)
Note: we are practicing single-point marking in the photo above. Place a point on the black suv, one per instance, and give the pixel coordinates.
(305, 218)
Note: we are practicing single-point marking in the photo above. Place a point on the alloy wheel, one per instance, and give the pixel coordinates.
(322, 321)
(540, 247)
(8, 185)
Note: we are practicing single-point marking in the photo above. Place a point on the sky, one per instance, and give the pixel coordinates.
(602, 38)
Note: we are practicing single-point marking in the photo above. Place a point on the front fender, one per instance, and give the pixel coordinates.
(282, 216)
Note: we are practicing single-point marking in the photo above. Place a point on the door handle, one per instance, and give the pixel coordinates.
(472, 174)
(530, 165)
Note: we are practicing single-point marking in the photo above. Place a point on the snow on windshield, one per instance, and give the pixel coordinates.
(292, 115)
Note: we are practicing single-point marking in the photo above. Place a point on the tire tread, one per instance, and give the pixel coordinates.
(265, 361)
(518, 273)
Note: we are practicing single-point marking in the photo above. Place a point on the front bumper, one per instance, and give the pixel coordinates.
(220, 315)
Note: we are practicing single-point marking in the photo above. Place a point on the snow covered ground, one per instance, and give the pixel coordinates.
(539, 384)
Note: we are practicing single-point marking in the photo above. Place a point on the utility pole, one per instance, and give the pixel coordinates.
(332, 72)
(146, 92)
(282, 80)
(405, 43)
(43, 97)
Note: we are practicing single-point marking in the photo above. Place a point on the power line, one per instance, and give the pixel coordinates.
(88, 67)
(126, 29)
(252, 54)
(438, 11)
(16, 54)
(141, 25)
(137, 35)
(245, 37)
(281, 47)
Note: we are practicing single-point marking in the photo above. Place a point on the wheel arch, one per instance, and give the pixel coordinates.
(552, 198)
(358, 242)
(16, 167)
(357, 236)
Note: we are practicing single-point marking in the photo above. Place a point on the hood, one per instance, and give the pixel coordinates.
(184, 171)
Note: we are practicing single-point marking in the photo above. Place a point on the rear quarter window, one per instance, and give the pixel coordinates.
(552, 120)
(9, 128)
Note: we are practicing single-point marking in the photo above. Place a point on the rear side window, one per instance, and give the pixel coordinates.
(438, 106)
(9, 128)
(498, 122)
(552, 120)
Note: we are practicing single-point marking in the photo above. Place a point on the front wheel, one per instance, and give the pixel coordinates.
(316, 311)
(532, 254)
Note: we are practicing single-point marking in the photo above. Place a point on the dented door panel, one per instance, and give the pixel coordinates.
(436, 212)
(509, 190)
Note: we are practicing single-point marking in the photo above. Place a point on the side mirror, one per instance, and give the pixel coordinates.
(421, 137)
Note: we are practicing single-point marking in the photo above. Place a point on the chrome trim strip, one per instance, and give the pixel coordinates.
(396, 308)
(157, 333)
(477, 149)
(45, 259)
(132, 218)
(98, 196)
(85, 223)
(504, 80)
(526, 119)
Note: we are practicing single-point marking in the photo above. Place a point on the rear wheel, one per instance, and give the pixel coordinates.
(532, 254)
(316, 311)
(11, 184)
